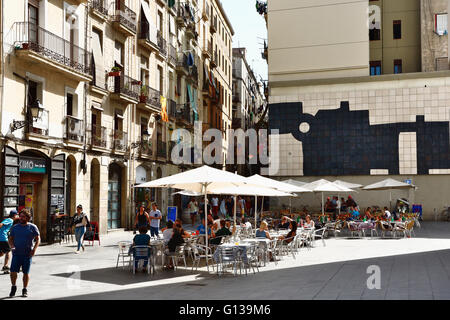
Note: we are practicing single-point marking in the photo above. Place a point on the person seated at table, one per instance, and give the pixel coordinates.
(174, 242)
(184, 233)
(167, 231)
(213, 223)
(141, 239)
(368, 214)
(387, 215)
(309, 223)
(263, 231)
(221, 233)
(246, 224)
(351, 202)
(355, 213)
(202, 231)
(291, 234)
(285, 221)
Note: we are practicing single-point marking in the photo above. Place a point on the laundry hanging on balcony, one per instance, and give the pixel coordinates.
(164, 115)
(190, 59)
(192, 100)
(194, 105)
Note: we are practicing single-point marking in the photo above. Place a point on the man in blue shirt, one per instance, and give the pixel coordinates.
(21, 242)
(155, 218)
(5, 226)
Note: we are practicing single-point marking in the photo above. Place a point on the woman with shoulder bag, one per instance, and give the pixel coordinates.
(80, 221)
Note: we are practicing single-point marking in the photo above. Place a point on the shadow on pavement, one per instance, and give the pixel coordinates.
(119, 276)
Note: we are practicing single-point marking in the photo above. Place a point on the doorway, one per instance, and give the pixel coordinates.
(114, 196)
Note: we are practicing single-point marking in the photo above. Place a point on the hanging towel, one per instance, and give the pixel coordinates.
(190, 60)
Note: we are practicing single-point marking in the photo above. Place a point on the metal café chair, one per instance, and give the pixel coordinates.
(227, 256)
(143, 253)
(201, 252)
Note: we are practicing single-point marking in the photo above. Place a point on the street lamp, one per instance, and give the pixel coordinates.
(35, 111)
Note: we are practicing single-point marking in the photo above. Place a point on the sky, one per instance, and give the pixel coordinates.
(249, 31)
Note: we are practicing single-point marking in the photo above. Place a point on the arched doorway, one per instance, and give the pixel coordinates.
(95, 191)
(114, 196)
(71, 185)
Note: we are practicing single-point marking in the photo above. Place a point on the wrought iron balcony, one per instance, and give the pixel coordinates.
(162, 44)
(172, 108)
(34, 43)
(120, 140)
(184, 114)
(150, 96)
(182, 63)
(185, 13)
(193, 74)
(213, 26)
(205, 13)
(99, 6)
(145, 38)
(208, 50)
(125, 87)
(98, 136)
(161, 150)
(145, 147)
(172, 55)
(74, 129)
(214, 60)
(124, 19)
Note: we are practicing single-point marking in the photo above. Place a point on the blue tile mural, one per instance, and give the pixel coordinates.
(342, 142)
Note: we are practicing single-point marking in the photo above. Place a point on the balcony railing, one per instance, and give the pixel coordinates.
(172, 55)
(120, 140)
(161, 150)
(213, 26)
(214, 60)
(182, 62)
(146, 147)
(153, 96)
(28, 36)
(172, 108)
(98, 136)
(185, 13)
(193, 73)
(162, 44)
(125, 16)
(74, 129)
(100, 6)
(184, 113)
(144, 32)
(126, 85)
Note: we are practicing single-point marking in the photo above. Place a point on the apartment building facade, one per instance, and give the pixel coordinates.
(248, 101)
(92, 92)
(360, 96)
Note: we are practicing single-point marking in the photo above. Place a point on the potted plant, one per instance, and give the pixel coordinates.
(115, 72)
(143, 97)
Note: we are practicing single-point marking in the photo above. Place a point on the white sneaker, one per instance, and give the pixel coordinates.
(77, 252)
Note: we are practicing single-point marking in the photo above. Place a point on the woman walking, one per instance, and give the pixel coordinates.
(80, 221)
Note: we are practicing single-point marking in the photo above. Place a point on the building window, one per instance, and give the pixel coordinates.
(397, 66)
(397, 29)
(374, 34)
(440, 24)
(375, 68)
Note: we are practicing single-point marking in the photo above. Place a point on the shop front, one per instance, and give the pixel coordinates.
(34, 181)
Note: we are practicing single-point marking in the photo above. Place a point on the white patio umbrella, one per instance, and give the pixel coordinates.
(323, 185)
(294, 183)
(248, 190)
(189, 193)
(389, 184)
(200, 180)
(279, 185)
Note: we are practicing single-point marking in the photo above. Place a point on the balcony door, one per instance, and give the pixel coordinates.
(33, 21)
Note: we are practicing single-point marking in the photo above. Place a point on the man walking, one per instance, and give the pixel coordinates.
(21, 242)
(5, 226)
(155, 218)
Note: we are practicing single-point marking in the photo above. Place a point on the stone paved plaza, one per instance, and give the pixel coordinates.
(414, 268)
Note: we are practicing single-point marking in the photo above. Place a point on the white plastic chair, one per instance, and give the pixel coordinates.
(123, 253)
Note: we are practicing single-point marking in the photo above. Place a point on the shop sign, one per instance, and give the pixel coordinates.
(32, 165)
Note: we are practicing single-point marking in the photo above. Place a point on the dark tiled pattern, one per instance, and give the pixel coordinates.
(342, 142)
